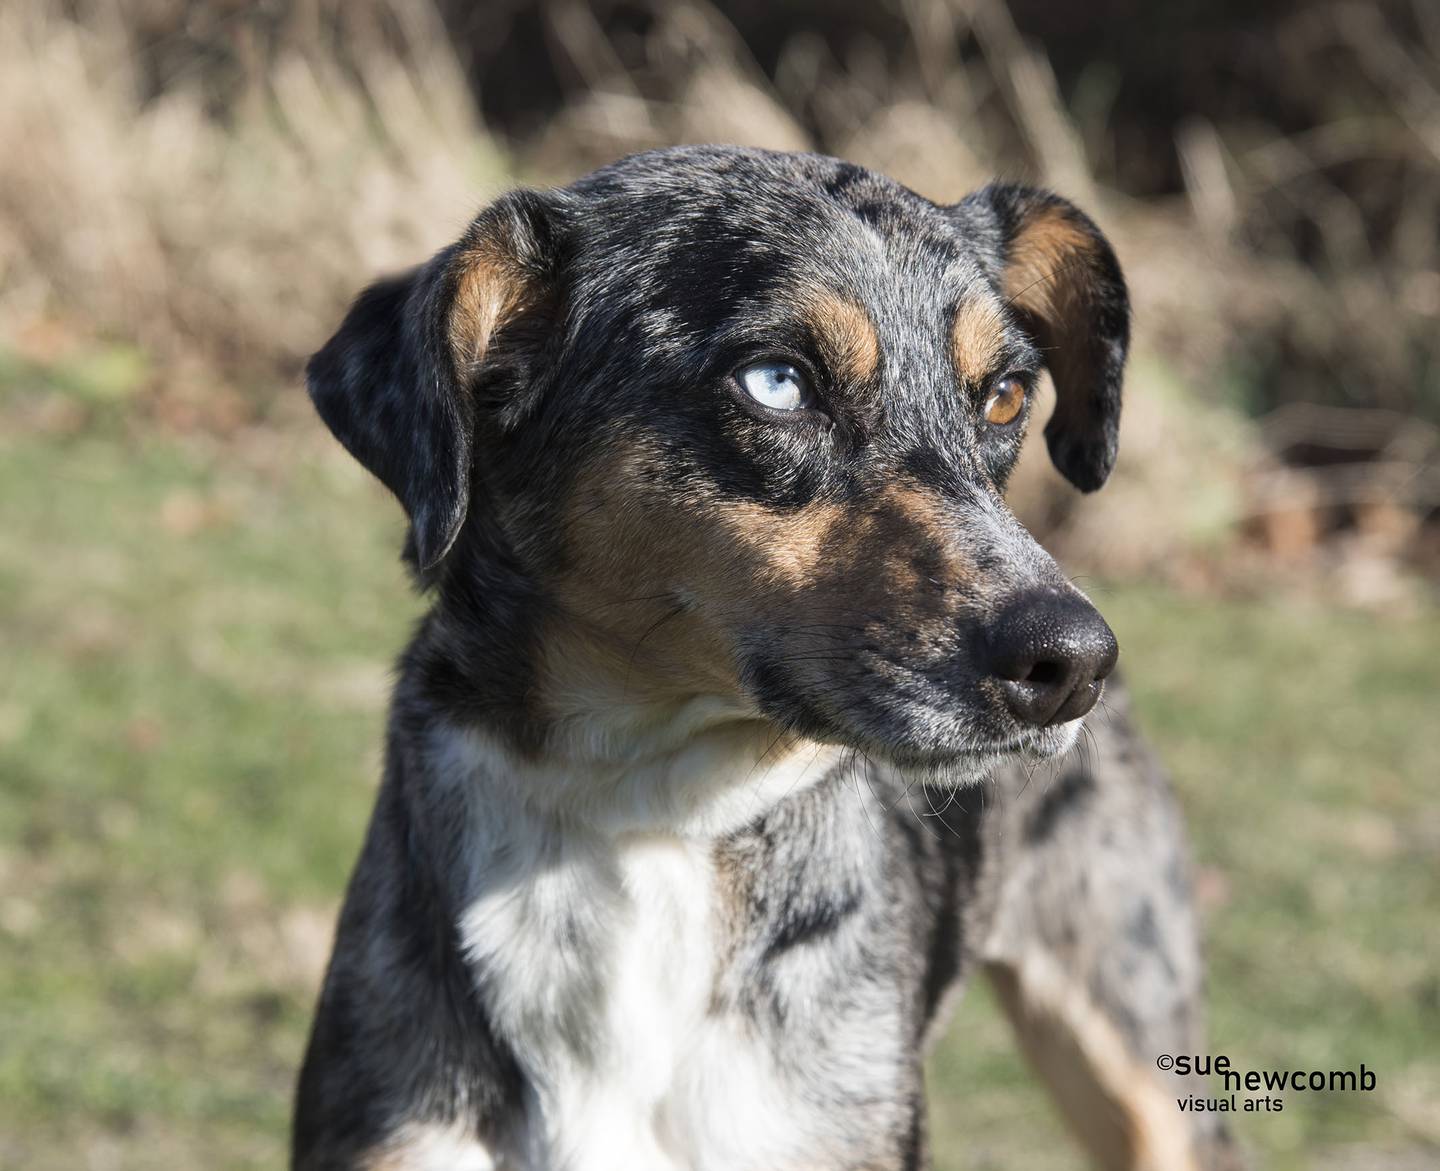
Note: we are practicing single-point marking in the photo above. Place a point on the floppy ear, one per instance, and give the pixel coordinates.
(395, 382)
(1061, 278)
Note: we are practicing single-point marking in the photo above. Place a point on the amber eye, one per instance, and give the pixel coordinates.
(1005, 404)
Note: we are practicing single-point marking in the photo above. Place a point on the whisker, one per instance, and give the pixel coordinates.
(1050, 276)
(659, 622)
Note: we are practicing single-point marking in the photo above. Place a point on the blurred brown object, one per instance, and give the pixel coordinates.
(1373, 473)
(1287, 520)
(1357, 490)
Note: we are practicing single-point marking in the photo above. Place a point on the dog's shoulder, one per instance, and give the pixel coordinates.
(398, 1026)
(1075, 836)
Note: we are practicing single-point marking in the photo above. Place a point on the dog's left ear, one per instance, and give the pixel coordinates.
(1061, 277)
(396, 383)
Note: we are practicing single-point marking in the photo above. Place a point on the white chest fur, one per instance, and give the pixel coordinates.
(595, 953)
(600, 972)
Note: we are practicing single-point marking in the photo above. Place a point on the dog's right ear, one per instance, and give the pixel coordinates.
(395, 382)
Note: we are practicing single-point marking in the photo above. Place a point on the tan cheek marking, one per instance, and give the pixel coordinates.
(866, 554)
(629, 536)
(978, 337)
(629, 543)
(926, 524)
(846, 334)
(632, 542)
(787, 547)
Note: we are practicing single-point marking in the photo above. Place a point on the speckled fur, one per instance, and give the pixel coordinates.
(697, 803)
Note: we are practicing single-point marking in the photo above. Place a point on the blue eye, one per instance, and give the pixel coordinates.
(777, 385)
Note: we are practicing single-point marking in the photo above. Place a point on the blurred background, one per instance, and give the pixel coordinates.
(200, 595)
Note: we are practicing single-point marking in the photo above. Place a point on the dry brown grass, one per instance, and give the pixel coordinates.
(220, 244)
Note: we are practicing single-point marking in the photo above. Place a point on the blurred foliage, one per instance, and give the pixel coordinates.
(1289, 149)
(208, 184)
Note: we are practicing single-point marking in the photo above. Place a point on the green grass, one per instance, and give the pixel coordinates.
(196, 643)
(1301, 739)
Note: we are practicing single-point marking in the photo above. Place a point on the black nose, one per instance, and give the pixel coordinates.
(1051, 651)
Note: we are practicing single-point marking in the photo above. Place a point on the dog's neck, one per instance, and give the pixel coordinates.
(546, 728)
(592, 897)
(701, 785)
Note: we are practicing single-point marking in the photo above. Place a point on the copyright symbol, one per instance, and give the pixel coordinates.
(1165, 1061)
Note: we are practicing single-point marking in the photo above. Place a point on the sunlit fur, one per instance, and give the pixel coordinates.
(682, 839)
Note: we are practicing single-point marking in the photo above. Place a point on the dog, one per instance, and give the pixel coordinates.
(705, 778)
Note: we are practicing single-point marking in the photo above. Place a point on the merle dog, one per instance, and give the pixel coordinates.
(705, 770)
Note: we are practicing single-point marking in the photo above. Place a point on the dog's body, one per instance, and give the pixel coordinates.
(661, 874)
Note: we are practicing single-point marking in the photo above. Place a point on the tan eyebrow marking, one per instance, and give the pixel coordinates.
(977, 338)
(845, 334)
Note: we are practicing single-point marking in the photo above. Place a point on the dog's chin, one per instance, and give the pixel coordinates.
(928, 733)
(975, 760)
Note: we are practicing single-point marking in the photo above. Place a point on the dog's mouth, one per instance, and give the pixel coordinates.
(972, 758)
(951, 730)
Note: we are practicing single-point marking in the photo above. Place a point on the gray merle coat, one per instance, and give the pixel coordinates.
(706, 773)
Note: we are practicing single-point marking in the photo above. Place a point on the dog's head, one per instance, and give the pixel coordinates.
(744, 420)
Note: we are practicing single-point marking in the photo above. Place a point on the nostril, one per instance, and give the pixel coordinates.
(1045, 673)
